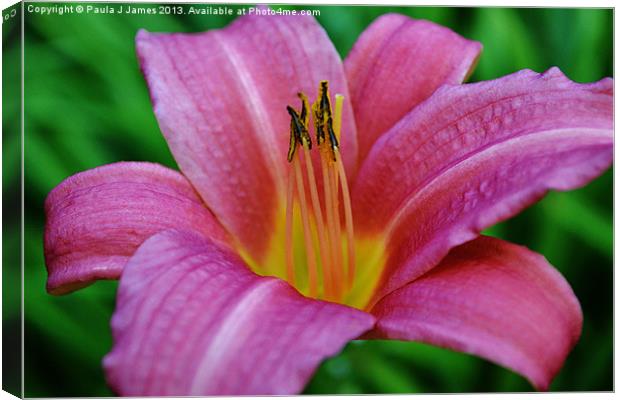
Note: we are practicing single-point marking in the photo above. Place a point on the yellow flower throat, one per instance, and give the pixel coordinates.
(331, 274)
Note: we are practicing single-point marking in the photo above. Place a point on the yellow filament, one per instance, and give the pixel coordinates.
(333, 182)
(310, 256)
(318, 216)
(331, 237)
(290, 264)
(348, 217)
(345, 193)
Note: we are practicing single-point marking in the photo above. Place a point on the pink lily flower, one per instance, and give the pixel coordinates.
(265, 255)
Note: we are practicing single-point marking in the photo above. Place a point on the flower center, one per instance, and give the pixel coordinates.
(328, 260)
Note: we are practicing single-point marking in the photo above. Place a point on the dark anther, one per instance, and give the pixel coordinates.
(299, 132)
(332, 135)
(296, 123)
(304, 107)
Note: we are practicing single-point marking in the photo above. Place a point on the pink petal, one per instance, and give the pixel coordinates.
(397, 63)
(493, 299)
(191, 319)
(476, 154)
(220, 98)
(96, 220)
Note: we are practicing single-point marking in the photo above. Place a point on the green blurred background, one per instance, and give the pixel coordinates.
(87, 105)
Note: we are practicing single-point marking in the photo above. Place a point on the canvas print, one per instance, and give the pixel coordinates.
(270, 199)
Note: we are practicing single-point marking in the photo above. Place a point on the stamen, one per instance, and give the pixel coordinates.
(318, 214)
(323, 121)
(292, 145)
(331, 238)
(324, 124)
(328, 230)
(348, 217)
(290, 192)
(297, 127)
(345, 192)
(321, 108)
(305, 220)
(314, 195)
(332, 176)
(305, 114)
(332, 137)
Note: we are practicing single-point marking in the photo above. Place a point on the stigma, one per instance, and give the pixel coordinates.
(329, 248)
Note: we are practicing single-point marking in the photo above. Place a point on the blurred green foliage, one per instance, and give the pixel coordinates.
(11, 199)
(87, 105)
